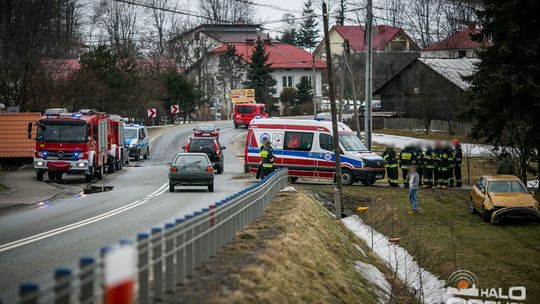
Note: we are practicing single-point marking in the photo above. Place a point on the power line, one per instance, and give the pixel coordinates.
(271, 6)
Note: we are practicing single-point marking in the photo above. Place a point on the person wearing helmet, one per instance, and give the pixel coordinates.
(267, 155)
(391, 164)
(457, 155)
(407, 158)
(428, 159)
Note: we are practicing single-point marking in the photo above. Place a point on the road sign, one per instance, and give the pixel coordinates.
(151, 112)
(242, 95)
(120, 275)
(175, 109)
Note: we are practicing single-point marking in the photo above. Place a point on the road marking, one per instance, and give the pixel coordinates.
(59, 230)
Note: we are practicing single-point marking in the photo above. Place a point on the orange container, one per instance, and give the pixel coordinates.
(14, 140)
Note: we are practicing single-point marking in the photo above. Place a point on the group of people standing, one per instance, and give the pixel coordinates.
(438, 166)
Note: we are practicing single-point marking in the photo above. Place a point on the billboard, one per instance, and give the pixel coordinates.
(242, 95)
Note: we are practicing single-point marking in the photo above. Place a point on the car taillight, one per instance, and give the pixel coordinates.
(217, 148)
(173, 169)
(187, 147)
(209, 169)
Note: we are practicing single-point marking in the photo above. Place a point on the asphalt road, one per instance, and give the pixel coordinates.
(35, 241)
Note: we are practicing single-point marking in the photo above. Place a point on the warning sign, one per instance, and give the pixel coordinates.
(242, 95)
(277, 141)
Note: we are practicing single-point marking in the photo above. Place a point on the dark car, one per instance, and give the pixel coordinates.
(209, 146)
(191, 169)
(206, 130)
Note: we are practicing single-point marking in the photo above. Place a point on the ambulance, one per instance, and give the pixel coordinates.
(305, 147)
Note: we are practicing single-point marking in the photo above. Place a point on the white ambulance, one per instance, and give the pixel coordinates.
(305, 147)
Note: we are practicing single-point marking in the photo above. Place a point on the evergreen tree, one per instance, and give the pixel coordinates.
(505, 93)
(304, 91)
(287, 98)
(182, 91)
(259, 75)
(308, 34)
(289, 36)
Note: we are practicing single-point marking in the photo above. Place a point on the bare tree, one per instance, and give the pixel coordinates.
(395, 12)
(225, 11)
(119, 20)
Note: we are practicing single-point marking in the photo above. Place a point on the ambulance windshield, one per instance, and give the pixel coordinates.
(352, 143)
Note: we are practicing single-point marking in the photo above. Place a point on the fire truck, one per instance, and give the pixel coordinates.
(86, 142)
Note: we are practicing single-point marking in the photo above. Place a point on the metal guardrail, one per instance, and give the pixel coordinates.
(167, 255)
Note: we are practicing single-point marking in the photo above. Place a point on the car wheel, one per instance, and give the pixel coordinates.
(51, 175)
(486, 215)
(138, 155)
(39, 176)
(145, 156)
(235, 126)
(88, 178)
(347, 177)
(111, 165)
(100, 172)
(246, 168)
(219, 170)
(211, 187)
(293, 179)
(119, 162)
(171, 187)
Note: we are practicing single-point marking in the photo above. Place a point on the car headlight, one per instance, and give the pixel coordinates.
(80, 165)
(40, 163)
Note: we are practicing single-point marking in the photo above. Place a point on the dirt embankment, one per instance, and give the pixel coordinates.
(294, 253)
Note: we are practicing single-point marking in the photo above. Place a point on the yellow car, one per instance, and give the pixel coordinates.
(503, 196)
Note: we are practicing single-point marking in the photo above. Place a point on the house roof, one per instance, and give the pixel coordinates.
(280, 55)
(235, 36)
(452, 69)
(460, 40)
(382, 35)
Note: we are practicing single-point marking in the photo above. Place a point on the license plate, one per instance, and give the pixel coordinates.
(378, 176)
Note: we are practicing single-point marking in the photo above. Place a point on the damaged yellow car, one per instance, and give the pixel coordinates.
(503, 197)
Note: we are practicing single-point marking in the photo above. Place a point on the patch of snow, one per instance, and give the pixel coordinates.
(532, 184)
(428, 287)
(376, 277)
(288, 189)
(361, 250)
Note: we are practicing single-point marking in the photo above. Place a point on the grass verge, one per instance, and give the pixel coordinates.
(445, 237)
(294, 253)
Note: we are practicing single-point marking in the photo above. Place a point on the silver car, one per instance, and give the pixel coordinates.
(191, 169)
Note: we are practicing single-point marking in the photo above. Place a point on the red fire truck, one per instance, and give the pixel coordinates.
(76, 143)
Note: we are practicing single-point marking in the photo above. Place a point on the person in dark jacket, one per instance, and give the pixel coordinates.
(391, 164)
(267, 155)
(407, 157)
(444, 159)
(457, 157)
(428, 160)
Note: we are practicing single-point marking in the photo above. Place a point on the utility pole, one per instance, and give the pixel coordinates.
(341, 89)
(355, 103)
(339, 186)
(314, 81)
(369, 74)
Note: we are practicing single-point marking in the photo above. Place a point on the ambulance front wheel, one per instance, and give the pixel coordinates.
(347, 177)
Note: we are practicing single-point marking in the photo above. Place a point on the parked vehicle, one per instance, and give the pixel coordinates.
(376, 106)
(245, 112)
(73, 143)
(206, 130)
(503, 196)
(191, 169)
(136, 137)
(211, 147)
(118, 150)
(305, 147)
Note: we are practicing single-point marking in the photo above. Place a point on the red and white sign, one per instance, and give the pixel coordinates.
(175, 109)
(120, 275)
(151, 112)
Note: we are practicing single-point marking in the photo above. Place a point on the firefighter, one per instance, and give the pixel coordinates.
(419, 161)
(444, 158)
(457, 155)
(437, 152)
(428, 160)
(406, 159)
(391, 164)
(268, 159)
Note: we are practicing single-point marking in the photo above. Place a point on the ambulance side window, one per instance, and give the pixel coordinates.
(326, 142)
(298, 141)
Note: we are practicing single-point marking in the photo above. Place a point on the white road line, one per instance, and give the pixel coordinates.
(59, 230)
(159, 189)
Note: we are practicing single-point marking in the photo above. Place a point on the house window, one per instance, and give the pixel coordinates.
(287, 81)
(462, 53)
(398, 45)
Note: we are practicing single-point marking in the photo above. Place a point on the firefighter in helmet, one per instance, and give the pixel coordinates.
(391, 164)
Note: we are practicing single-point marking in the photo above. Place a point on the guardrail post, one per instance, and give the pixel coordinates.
(157, 263)
(143, 249)
(180, 249)
(189, 245)
(169, 258)
(87, 266)
(29, 293)
(213, 232)
(197, 237)
(205, 238)
(62, 284)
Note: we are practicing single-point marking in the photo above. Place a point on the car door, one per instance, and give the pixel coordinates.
(478, 193)
(325, 156)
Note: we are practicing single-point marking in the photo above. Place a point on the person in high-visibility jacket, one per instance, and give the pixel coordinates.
(267, 156)
(418, 161)
(457, 156)
(407, 157)
(391, 164)
(442, 161)
(428, 159)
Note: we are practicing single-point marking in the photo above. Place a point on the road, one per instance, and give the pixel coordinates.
(35, 241)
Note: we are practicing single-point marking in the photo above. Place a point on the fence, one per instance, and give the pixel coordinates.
(451, 127)
(166, 255)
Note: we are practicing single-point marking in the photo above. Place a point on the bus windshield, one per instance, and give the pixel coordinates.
(62, 132)
(351, 142)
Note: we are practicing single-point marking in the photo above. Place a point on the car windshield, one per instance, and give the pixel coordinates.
(351, 142)
(206, 128)
(62, 132)
(130, 133)
(506, 187)
(190, 160)
(244, 109)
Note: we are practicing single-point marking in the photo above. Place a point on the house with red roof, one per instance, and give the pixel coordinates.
(385, 39)
(459, 45)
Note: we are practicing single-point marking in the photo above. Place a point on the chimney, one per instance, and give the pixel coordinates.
(249, 41)
(472, 26)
